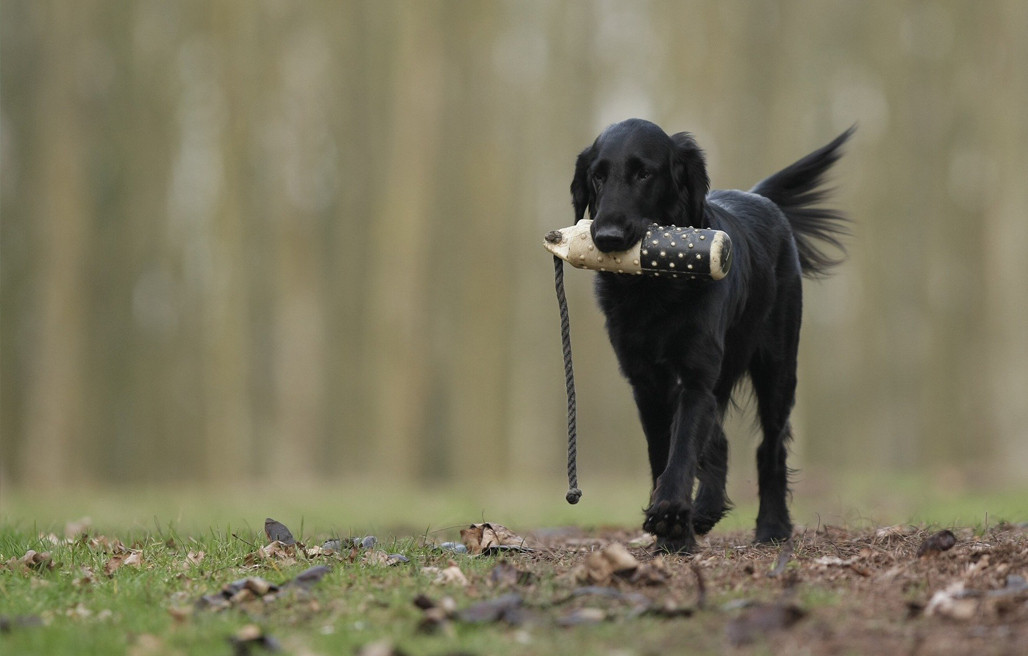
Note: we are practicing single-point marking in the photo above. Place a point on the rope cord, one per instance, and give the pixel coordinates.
(574, 494)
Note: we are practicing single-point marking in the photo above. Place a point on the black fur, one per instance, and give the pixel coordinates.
(682, 345)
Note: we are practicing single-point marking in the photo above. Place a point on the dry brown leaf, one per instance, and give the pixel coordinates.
(887, 533)
(88, 578)
(78, 611)
(600, 566)
(180, 614)
(655, 572)
(451, 574)
(251, 634)
(52, 539)
(482, 538)
(32, 560)
(107, 545)
(113, 564)
(284, 555)
(135, 559)
(953, 603)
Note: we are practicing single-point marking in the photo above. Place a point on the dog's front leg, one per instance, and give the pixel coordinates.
(669, 515)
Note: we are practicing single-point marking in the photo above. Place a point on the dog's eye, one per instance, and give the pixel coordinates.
(643, 174)
(598, 179)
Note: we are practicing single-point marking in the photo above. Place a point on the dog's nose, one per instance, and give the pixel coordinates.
(610, 238)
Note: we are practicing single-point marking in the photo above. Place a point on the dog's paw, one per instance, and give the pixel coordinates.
(707, 513)
(773, 533)
(665, 547)
(702, 522)
(671, 522)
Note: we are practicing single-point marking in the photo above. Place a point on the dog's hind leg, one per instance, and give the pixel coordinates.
(773, 373)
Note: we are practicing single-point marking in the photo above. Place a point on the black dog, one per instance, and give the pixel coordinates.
(683, 345)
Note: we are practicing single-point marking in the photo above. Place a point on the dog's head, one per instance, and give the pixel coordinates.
(635, 175)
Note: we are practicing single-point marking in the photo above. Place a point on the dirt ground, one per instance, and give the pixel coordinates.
(892, 590)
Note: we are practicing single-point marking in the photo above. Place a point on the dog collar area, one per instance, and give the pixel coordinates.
(665, 251)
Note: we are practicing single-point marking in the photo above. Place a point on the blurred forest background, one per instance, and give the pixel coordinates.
(265, 239)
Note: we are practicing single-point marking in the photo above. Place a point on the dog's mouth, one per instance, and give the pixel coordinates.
(612, 239)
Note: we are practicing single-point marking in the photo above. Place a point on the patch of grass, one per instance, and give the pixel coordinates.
(75, 602)
(76, 607)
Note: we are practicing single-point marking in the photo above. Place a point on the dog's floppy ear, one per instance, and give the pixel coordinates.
(689, 172)
(582, 195)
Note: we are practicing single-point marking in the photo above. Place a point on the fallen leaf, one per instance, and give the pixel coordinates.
(277, 532)
(761, 619)
(253, 584)
(887, 533)
(79, 611)
(195, 557)
(52, 539)
(655, 572)
(134, 559)
(252, 635)
(644, 541)
(600, 566)
(936, 543)
(180, 614)
(113, 564)
(87, 578)
(283, 554)
(32, 560)
(953, 602)
(451, 574)
(489, 538)
(435, 616)
(107, 545)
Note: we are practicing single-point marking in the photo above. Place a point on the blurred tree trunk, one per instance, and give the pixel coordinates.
(1005, 134)
(56, 418)
(398, 315)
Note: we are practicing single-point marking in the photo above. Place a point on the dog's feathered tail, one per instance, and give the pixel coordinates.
(796, 189)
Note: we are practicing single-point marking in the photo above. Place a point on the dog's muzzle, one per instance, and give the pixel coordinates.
(670, 251)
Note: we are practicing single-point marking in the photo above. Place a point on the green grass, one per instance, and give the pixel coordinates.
(355, 604)
(150, 609)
